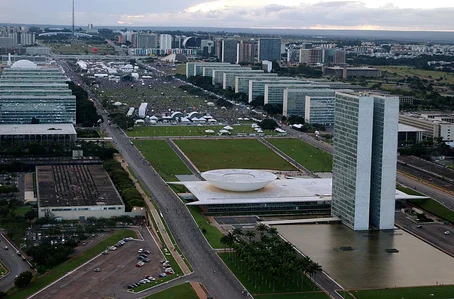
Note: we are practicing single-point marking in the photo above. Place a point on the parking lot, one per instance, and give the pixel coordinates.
(117, 270)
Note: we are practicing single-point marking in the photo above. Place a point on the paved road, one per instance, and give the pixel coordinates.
(217, 278)
(13, 262)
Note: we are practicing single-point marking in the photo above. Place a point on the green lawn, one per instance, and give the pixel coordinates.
(162, 158)
(409, 191)
(436, 292)
(408, 71)
(434, 208)
(305, 295)
(212, 154)
(310, 157)
(70, 265)
(212, 234)
(266, 289)
(182, 291)
(185, 130)
(22, 210)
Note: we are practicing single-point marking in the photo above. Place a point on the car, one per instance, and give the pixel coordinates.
(447, 232)
(17, 252)
(147, 280)
(140, 250)
(112, 248)
(140, 264)
(130, 286)
(147, 251)
(146, 260)
(105, 252)
(162, 275)
(97, 270)
(143, 255)
(140, 258)
(6, 247)
(419, 226)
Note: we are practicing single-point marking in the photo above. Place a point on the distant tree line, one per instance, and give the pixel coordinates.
(86, 114)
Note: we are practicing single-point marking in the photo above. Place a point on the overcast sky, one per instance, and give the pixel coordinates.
(298, 14)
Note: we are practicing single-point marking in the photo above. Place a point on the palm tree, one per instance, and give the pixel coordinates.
(262, 228)
(237, 232)
(272, 231)
(250, 234)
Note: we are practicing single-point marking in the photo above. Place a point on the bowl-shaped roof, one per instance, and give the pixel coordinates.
(240, 180)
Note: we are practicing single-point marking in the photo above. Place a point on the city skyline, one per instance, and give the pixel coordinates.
(292, 14)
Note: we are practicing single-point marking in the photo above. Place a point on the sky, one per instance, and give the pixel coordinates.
(434, 15)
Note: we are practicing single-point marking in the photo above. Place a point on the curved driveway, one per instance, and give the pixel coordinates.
(13, 262)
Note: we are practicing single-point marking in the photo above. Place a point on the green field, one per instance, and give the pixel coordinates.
(186, 130)
(69, 265)
(436, 292)
(162, 158)
(231, 153)
(212, 234)
(310, 157)
(79, 47)
(22, 210)
(266, 289)
(435, 208)
(404, 71)
(182, 291)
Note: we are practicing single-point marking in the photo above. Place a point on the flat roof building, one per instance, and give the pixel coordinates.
(319, 110)
(39, 133)
(228, 80)
(242, 81)
(269, 48)
(351, 72)
(294, 102)
(257, 85)
(252, 193)
(195, 68)
(76, 192)
(434, 127)
(274, 92)
(218, 74)
(208, 70)
(364, 160)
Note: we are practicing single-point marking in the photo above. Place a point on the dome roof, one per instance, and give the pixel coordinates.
(24, 64)
(240, 180)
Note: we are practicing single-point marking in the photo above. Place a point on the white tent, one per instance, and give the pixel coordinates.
(209, 131)
(212, 120)
(185, 120)
(117, 104)
(139, 122)
(224, 132)
(228, 128)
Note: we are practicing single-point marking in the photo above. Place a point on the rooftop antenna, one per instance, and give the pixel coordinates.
(73, 20)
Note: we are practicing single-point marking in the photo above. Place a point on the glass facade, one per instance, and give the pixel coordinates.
(257, 86)
(274, 93)
(269, 49)
(242, 81)
(320, 110)
(311, 208)
(294, 102)
(229, 77)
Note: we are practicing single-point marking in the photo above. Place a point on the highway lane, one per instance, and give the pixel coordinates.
(216, 277)
(13, 262)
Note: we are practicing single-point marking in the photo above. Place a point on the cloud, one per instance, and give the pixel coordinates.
(331, 14)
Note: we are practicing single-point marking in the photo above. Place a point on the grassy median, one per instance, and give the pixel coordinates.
(182, 291)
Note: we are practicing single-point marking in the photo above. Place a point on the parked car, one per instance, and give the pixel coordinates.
(140, 250)
(97, 269)
(6, 247)
(447, 232)
(140, 264)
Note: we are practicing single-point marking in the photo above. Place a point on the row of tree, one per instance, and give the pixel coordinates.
(85, 109)
(124, 184)
(268, 260)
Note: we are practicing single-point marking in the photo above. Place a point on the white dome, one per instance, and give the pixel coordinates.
(24, 64)
(239, 180)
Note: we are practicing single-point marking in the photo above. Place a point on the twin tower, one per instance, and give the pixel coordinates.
(365, 157)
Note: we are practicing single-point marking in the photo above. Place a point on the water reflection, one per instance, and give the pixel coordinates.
(368, 265)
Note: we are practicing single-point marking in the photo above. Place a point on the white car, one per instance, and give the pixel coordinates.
(140, 250)
(447, 232)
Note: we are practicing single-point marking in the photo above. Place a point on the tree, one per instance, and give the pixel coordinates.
(23, 279)
(30, 215)
(268, 124)
(250, 234)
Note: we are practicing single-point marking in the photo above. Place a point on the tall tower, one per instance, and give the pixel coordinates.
(365, 158)
(73, 20)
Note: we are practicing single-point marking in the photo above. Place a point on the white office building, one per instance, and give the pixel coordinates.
(165, 42)
(319, 110)
(364, 164)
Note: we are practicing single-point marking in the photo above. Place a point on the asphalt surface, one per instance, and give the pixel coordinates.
(13, 262)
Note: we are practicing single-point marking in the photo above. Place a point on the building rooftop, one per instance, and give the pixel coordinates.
(31, 96)
(406, 128)
(287, 190)
(37, 129)
(75, 185)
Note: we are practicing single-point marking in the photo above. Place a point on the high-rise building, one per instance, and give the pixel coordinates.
(364, 165)
(165, 42)
(339, 56)
(207, 47)
(147, 41)
(229, 50)
(305, 56)
(269, 49)
(246, 52)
